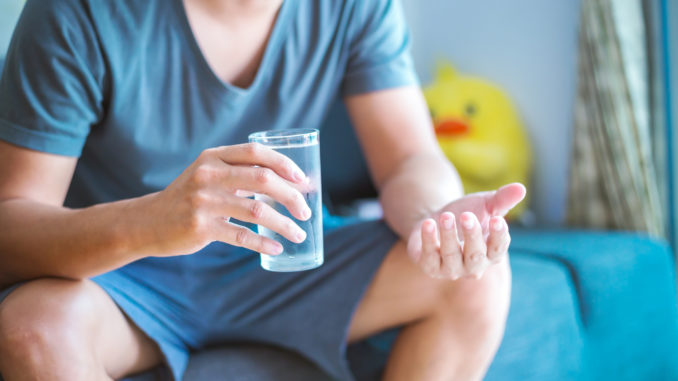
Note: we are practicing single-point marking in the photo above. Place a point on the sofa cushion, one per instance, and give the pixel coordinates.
(625, 284)
(543, 339)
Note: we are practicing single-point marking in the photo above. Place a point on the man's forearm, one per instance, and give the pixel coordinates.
(423, 184)
(39, 240)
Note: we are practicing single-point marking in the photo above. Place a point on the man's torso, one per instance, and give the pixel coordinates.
(164, 103)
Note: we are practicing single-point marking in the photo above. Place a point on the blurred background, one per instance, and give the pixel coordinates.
(620, 53)
(592, 81)
(593, 85)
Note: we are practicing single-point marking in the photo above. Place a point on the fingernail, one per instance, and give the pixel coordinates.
(274, 248)
(301, 236)
(497, 225)
(428, 226)
(306, 213)
(468, 222)
(447, 223)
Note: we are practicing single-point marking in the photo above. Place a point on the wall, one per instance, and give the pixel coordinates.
(529, 48)
(9, 12)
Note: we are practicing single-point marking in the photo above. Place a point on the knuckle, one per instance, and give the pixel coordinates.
(451, 262)
(475, 256)
(500, 249)
(241, 237)
(450, 271)
(501, 252)
(198, 200)
(206, 154)
(448, 258)
(196, 223)
(203, 174)
(253, 149)
(263, 175)
(257, 209)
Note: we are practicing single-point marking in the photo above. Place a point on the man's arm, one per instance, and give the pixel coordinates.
(39, 237)
(413, 176)
(448, 235)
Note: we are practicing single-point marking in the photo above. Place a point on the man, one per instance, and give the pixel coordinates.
(121, 125)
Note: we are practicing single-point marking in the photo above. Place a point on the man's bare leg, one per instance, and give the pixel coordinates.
(452, 328)
(55, 329)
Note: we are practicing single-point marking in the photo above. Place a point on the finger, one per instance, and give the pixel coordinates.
(257, 154)
(505, 198)
(264, 181)
(430, 257)
(260, 213)
(240, 236)
(414, 244)
(450, 248)
(243, 193)
(475, 250)
(498, 240)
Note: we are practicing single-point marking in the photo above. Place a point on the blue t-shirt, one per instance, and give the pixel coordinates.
(124, 86)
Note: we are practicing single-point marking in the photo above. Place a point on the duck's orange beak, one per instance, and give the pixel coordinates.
(451, 127)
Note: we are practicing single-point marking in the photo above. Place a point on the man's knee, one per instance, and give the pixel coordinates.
(43, 318)
(479, 307)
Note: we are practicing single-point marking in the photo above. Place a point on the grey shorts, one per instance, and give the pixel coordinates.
(221, 295)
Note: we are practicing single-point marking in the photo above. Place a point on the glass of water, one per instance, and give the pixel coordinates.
(300, 145)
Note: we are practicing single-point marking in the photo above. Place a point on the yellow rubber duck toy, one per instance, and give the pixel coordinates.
(479, 131)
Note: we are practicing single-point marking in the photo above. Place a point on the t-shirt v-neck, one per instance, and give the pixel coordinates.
(124, 86)
(227, 90)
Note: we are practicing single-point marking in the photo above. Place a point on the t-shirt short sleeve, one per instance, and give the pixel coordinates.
(51, 89)
(379, 56)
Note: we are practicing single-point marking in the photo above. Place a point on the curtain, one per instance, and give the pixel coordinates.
(616, 175)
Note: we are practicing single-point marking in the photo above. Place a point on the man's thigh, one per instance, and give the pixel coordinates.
(84, 313)
(399, 293)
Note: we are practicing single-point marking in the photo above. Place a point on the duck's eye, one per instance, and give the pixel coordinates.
(433, 113)
(470, 110)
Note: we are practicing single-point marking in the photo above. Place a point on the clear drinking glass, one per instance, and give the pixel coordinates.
(300, 145)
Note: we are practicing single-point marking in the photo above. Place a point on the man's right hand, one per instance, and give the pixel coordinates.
(194, 210)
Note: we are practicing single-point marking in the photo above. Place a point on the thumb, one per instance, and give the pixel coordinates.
(505, 198)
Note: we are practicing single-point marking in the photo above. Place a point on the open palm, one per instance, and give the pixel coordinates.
(467, 235)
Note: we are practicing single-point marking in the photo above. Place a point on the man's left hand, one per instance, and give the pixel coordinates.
(466, 236)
